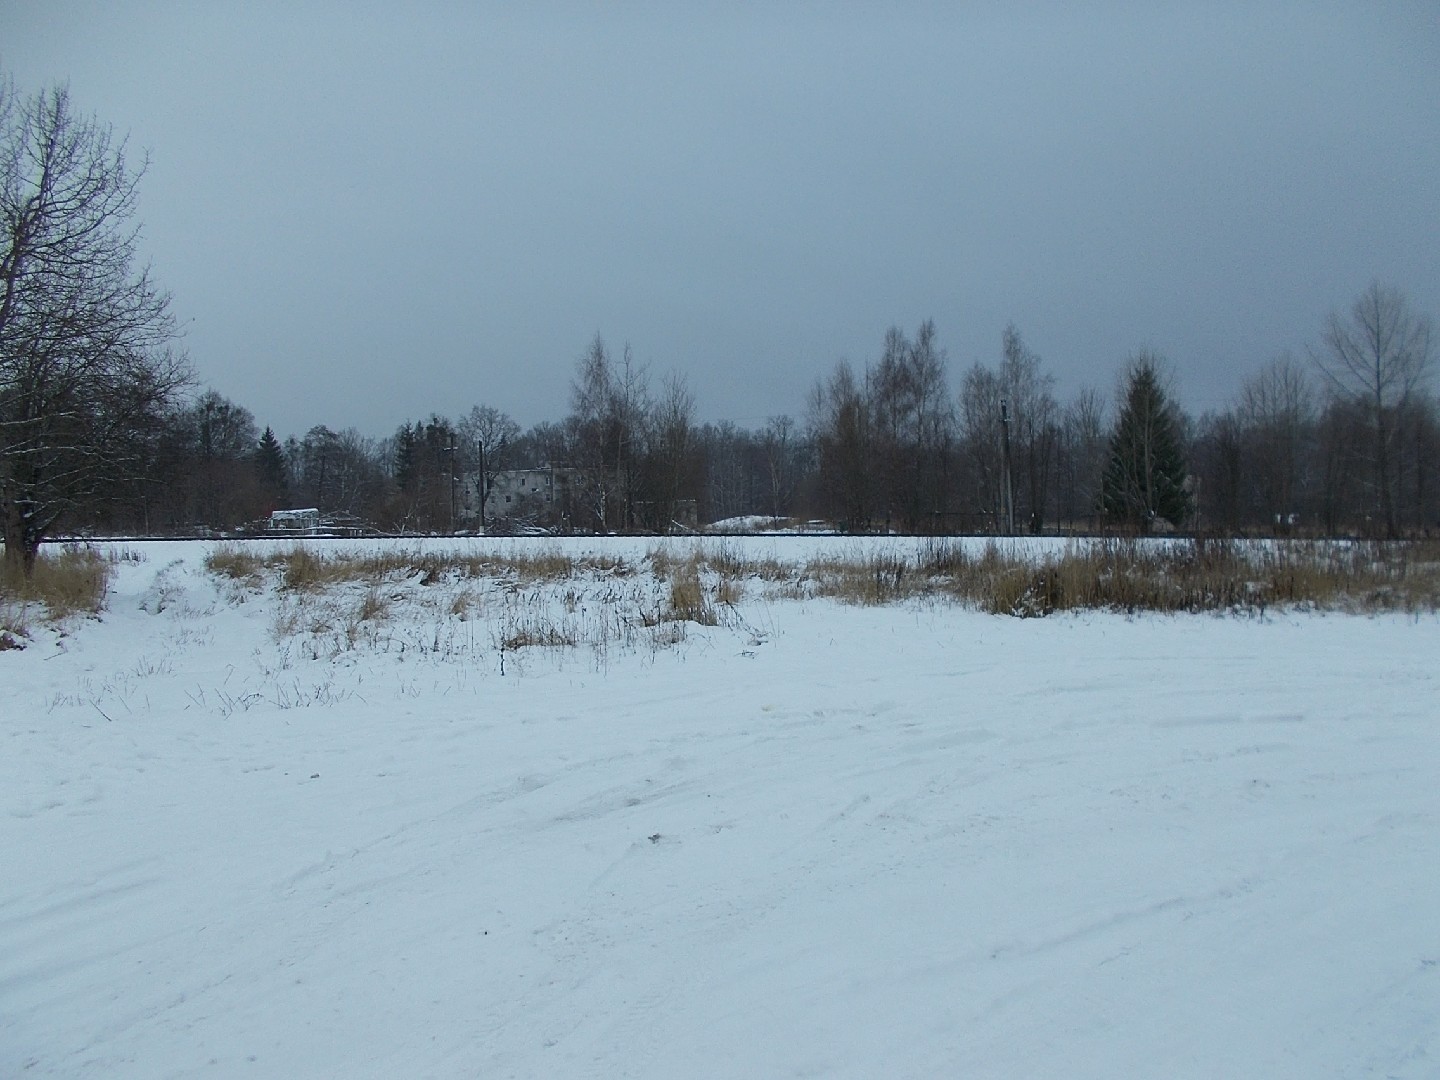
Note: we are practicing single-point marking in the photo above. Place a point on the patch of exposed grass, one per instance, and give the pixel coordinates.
(303, 567)
(1192, 576)
(464, 603)
(236, 562)
(688, 600)
(373, 606)
(539, 634)
(877, 578)
(728, 561)
(1129, 575)
(68, 582)
(420, 603)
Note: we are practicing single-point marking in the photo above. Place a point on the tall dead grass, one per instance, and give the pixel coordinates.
(702, 583)
(68, 582)
(303, 568)
(689, 600)
(1132, 576)
(1200, 575)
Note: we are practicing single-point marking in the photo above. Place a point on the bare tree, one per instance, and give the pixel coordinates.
(910, 408)
(1340, 436)
(591, 394)
(1421, 431)
(672, 457)
(726, 488)
(220, 477)
(1377, 358)
(85, 368)
(1221, 459)
(1030, 393)
(1277, 411)
(981, 392)
(315, 467)
(780, 446)
(491, 434)
(610, 406)
(1029, 403)
(1082, 450)
(841, 425)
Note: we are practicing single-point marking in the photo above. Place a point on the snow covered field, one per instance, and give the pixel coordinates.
(817, 840)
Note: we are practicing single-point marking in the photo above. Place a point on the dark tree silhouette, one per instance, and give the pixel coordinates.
(85, 370)
(1145, 480)
(1378, 358)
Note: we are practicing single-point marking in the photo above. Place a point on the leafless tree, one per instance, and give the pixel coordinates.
(489, 435)
(1034, 419)
(1277, 411)
(726, 488)
(1222, 462)
(1340, 436)
(85, 365)
(610, 404)
(1421, 430)
(1082, 449)
(672, 460)
(595, 441)
(1377, 358)
(1035, 427)
(841, 426)
(912, 425)
(981, 392)
(781, 448)
(221, 479)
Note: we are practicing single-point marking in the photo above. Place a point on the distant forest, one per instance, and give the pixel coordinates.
(1345, 441)
(101, 433)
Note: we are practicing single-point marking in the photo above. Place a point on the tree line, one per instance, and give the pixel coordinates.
(101, 428)
(1305, 447)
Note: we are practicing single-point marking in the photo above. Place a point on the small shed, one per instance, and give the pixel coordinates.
(293, 521)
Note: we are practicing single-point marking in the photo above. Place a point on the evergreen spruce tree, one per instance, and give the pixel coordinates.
(1145, 479)
(271, 468)
(407, 464)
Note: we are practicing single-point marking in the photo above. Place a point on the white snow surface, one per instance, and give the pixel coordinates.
(819, 841)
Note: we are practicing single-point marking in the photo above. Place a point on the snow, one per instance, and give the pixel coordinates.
(762, 523)
(909, 841)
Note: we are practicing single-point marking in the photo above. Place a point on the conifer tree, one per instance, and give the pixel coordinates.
(271, 468)
(1145, 479)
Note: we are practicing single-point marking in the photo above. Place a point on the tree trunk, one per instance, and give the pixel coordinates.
(22, 543)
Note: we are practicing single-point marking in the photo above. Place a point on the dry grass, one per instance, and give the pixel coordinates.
(878, 578)
(69, 582)
(730, 563)
(422, 603)
(305, 568)
(1130, 576)
(543, 635)
(688, 600)
(373, 606)
(1194, 576)
(236, 562)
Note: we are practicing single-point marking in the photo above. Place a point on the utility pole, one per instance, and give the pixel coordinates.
(482, 485)
(1007, 495)
(450, 450)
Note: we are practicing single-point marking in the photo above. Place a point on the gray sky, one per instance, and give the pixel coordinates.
(368, 212)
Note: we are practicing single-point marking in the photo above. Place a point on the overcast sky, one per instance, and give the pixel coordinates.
(369, 212)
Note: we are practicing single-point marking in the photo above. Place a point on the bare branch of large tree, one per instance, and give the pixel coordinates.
(85, 362)
(1376, 358)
